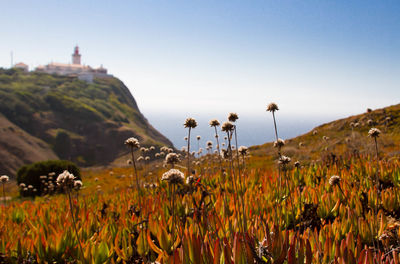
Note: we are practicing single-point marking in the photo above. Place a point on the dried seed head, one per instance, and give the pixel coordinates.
(173, 176)
(4, 178)
(272, 107)
(233, 117)
(279, 143)
(315, 132)
(243, 150)
(198, 137)
(147, 158)
(374, 132)
(78, 184)
(152, 148)
(370, 122)
(297, 164)
(190, 180)
(334, 180)
(132, 142)
(209, 143)
(66, 179)
(214, 123)
(172, 158)
(190, 122)
(139, 159)
(225, 153)
(325, 138)
(227, 126)
(284, 160)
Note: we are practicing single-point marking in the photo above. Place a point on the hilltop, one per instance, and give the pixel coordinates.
(347, 136)
(46, 116)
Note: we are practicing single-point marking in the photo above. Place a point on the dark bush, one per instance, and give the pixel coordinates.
(30, 174)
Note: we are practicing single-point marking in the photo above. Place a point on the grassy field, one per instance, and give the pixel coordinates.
(233, 209)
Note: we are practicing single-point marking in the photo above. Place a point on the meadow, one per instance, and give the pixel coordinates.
(224, 206)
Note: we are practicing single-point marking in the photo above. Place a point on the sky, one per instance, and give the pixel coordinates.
(317, 59)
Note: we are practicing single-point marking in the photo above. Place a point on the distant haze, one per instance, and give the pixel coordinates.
(252, 130)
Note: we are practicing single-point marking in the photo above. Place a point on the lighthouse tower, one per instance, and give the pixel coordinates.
(76, 57)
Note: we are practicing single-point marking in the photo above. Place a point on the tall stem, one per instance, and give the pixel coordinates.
(232, 172)
(188, 153)
(377, 187)
(279, 168)
(241, 187)
(137, 177)
(74, 224)
(4, 194)
(218, 149)
(173, 220)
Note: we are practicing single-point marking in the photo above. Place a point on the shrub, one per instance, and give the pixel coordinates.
(30, 174)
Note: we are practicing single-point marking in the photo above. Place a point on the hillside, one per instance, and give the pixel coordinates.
(347, 136)
(45, 116)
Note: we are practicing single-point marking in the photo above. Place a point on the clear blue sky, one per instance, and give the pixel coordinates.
(312, 57)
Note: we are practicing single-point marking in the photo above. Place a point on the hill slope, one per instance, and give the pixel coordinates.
(342, 137)
(50, 116)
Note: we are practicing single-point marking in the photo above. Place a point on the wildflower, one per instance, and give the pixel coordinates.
(147, 158)
(297, 164)
(22, 185)
(170, 150)
(243, 150)
(189, 180)
(272, 107)
(209, 144)
(279, 143)
(198, 137)
(139, 159)
(190, 122)
(172, 158)
(214, 123)
(314, 132)
(157, 155)
(301, 144)
(4, 178)
(374, 132)
(284, 160)
(334, 180)
(52, 174)
(325, 138)
(129, 162)
(132, 142)
(233, 117)
(78, 184)
(164, 148)
(370, 122)
(65, 179)
(173, 176)
(142, 149)
(152, 148)
(185, 138)
(227, 126)
(225, 153)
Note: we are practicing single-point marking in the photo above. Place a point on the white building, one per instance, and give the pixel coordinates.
(22, 66)
(83, 72)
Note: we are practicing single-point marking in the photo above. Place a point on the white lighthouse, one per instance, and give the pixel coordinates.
(76, 57)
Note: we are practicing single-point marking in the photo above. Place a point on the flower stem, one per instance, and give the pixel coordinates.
(74, 224)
